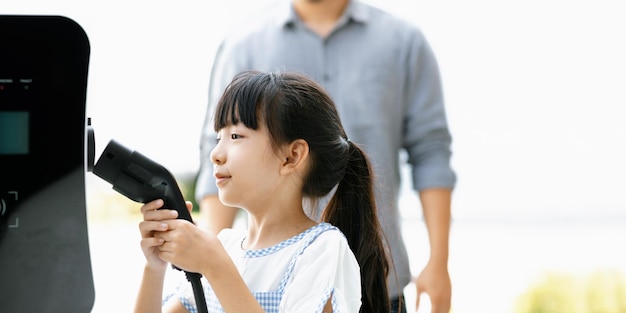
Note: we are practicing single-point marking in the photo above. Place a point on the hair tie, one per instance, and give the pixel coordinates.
(345, 140)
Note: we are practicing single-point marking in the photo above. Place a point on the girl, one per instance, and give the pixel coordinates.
(280, 141)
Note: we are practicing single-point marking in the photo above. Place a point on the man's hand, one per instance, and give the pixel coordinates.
(434, 280)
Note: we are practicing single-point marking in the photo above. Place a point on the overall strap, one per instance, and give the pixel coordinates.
(307, 241)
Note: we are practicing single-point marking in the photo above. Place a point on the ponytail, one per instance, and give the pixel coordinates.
(353, 210)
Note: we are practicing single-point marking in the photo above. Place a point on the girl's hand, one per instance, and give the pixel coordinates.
(168, 239)
(187, 246)
(152, 228)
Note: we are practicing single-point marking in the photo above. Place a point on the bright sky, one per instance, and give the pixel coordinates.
(534, 89)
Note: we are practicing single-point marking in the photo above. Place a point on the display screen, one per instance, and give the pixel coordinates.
(14, 133)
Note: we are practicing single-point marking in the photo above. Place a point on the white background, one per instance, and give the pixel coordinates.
(535, 90)
(535, 94)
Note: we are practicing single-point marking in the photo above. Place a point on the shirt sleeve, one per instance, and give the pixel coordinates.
(183, 292)
(327, 268)
(427, 137)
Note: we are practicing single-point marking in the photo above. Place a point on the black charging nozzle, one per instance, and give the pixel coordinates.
(143, 180)
(139, 178)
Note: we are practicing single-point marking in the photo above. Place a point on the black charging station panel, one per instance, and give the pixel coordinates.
(45, 262)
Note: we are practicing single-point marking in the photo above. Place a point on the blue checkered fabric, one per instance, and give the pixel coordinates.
(269, 300)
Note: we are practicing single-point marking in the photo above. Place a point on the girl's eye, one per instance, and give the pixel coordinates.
(235, 136)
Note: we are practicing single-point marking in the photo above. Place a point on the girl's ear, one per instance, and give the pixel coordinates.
(296, 156)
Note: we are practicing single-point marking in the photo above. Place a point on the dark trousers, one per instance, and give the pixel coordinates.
(398, 305)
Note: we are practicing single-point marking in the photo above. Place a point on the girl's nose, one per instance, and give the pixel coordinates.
(217, 156)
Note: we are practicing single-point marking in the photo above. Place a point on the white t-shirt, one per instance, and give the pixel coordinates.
(297, 275)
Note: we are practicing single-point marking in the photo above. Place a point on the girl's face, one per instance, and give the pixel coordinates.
(245, 166)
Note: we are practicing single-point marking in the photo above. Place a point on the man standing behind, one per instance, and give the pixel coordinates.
(384, 78)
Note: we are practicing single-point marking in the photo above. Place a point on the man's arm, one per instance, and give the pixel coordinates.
(434, 279)
(428, 143)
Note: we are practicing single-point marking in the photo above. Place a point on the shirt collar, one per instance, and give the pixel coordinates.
(356, 11)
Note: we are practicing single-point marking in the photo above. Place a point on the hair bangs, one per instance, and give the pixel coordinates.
(239, 104)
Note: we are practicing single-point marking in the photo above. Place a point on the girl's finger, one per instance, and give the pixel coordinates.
(152, 205)
(150, 242)
(147, 228)
(159, 215)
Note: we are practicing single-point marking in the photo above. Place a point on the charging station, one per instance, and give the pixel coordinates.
(45, 262)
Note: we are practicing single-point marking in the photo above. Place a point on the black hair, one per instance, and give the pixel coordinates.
(293, 106)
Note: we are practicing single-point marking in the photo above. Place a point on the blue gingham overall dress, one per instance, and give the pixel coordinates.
(269, 300)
